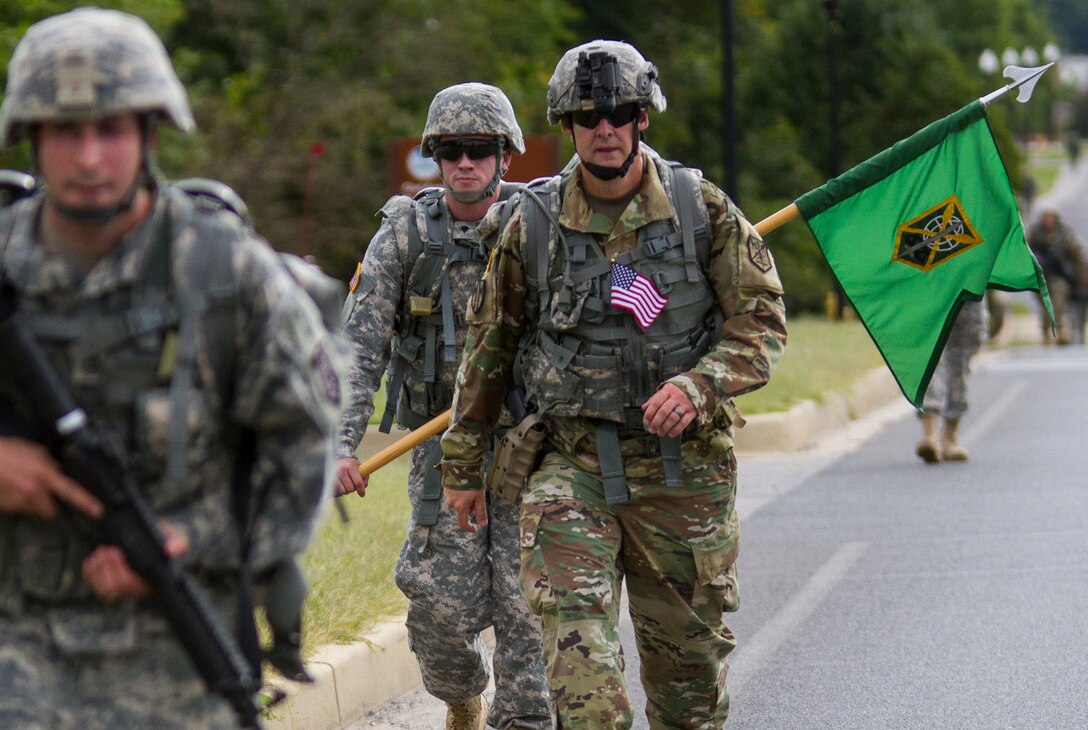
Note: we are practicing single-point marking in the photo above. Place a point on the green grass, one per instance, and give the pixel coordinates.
(1044, 163)
(821, 357)
(350, 567)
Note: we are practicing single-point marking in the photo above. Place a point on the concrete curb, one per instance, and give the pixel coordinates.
(349, 679)
(797, 427)
(352, 679)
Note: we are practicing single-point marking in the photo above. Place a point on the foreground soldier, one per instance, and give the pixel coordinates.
(183, 336)
(414, 283)
(639, 484)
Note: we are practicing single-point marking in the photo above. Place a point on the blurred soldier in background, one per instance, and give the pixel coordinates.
(1062, 260)
(945, 400)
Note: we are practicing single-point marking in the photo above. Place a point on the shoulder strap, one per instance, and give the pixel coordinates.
(540, 210)
(690, 207)
(214, 273)
(422, 265)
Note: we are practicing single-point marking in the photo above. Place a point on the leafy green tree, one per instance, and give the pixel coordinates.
(271, 78)
(1069, 19)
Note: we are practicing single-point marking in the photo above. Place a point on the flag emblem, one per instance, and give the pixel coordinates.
(637, 294)
(935, 236)
(355, 279)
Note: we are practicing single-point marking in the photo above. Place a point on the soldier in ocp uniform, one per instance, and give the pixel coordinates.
(182, 335)
(630, 300)
(1062, 261)
(407, 309)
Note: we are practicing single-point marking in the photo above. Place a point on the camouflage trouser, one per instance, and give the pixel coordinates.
(947, 392)
(459, 583)
(153, 685)
(676, 550)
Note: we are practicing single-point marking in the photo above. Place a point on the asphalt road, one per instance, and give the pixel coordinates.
(883, 592)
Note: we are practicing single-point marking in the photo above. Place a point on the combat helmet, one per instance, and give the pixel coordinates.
(89, 63)
(598, 77)
(473, 109)
(601, 75)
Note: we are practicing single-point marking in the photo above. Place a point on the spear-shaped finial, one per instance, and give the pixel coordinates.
(1022, 78)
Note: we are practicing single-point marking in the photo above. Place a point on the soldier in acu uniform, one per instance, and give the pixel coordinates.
(407, 308)
(945, 400)
(631, 301)
(182, 335)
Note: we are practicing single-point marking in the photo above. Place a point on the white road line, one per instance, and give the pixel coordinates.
(1015, 367)
(749, 657)
(994, 414)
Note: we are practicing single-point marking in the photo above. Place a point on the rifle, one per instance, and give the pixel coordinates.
(86, 455)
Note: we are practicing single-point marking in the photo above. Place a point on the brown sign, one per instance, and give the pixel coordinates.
(409, 172)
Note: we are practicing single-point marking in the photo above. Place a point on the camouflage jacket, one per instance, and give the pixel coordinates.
(740, 270)
(277, 373)
(1058, 252)
(376, 310)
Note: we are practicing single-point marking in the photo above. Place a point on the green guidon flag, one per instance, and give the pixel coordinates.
(918, 229)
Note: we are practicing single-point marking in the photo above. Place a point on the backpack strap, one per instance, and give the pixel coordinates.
(690, 207)
(424, 262)
(206, 309)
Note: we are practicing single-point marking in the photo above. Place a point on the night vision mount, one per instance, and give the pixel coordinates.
(598, 80)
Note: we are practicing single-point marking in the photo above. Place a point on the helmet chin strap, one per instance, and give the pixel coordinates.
(102, 213)
(611, 173)
(470, 197)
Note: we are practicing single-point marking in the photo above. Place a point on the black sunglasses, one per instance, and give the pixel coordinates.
(621, 115)
(476, 149)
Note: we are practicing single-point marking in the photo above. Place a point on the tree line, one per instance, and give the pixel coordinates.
(273, 82)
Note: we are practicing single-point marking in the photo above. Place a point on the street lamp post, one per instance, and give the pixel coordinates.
(836, 299)
(729, 116)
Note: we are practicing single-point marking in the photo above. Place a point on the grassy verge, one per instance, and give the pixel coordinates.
(821, 357)
(350, 566)
(1044, 164)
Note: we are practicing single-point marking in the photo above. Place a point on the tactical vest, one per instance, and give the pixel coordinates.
(589, 359)
(586, 358)
(131, 356)
(430, 325)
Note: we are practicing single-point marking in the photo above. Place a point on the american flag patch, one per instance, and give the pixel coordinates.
(355, 279)
(637, 294)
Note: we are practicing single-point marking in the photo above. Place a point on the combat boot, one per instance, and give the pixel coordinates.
(927, 447)
(950, 450)
(468, 715)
